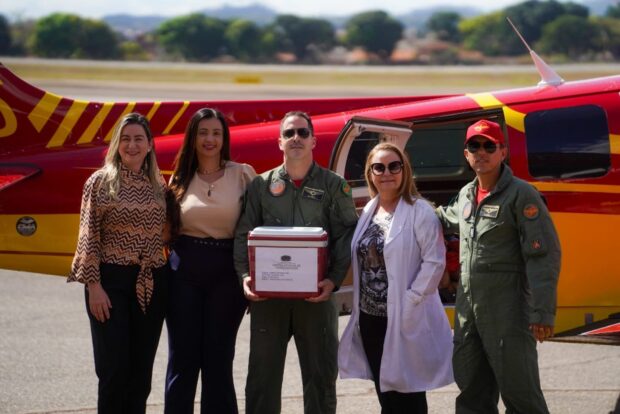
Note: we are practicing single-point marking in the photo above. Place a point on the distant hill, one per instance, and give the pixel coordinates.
(256, 12)
(132, 26)
(417, 18)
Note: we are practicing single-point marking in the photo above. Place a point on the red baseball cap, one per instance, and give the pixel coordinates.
(486, 129)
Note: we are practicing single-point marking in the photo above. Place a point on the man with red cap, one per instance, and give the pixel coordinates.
(506, 299)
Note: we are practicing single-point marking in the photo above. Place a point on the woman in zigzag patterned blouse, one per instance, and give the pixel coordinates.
(120, 259)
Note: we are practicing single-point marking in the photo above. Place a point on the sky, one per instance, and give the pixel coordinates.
(22, 9)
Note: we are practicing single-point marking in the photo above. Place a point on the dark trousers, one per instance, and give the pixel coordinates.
(125, 345)
(373, 329)
(315, 329)
(205, 310)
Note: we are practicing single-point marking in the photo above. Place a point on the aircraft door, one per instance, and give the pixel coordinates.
(356, 139)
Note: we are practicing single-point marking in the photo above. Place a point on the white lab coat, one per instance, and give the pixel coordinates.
(417, 354)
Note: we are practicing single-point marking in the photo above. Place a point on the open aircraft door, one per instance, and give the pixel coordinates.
(348, 158)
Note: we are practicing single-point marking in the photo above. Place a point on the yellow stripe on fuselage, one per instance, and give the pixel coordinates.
(514, 119)
(68, 122)
(94, 126)
(576, 188)
(176, 118)
(127, 110)
(44, 109)
(49, 250)
(614, 144)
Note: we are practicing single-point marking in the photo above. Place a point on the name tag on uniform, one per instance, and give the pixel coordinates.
(313, 193)
(489, 211)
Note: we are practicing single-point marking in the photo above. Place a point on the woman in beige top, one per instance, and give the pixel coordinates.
(120, 260)
(206, 301)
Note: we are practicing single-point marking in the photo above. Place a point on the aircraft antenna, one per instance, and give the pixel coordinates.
(548, 76)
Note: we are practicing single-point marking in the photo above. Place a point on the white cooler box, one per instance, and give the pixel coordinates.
(287, 262)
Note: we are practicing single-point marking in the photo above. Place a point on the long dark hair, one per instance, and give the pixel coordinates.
(186, 161)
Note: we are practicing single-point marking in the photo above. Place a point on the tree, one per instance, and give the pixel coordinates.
(97, 41)
(56, 35)
(613, 11)
(610, 36)
(375, 31)
(570, 35)
(488, 34)
(304, 34)
(5, 36)
(243, 38)
(62, 35)
(492, 35)
(193, 37)
(445, 25)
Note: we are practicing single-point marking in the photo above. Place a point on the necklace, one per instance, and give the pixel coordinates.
(207, 172)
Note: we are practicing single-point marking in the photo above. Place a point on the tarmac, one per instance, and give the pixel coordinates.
(46, 362)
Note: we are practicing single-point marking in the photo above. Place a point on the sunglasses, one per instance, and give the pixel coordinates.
(301, 132)
(489, 146)
(379, 169)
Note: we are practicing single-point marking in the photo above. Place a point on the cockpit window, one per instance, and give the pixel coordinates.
(568, 142)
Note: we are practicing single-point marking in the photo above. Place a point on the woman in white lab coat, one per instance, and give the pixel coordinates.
(398, 334)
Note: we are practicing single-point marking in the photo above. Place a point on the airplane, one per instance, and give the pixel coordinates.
(563, 138)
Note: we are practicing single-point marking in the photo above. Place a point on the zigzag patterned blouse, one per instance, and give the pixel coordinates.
(126, 231)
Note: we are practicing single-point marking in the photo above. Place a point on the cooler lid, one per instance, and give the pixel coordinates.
(275, 231)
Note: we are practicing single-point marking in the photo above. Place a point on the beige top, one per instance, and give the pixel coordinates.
(212, 209)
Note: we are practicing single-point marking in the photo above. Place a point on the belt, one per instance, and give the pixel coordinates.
(207, 241)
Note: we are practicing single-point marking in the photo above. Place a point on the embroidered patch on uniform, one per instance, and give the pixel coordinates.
(536, 244)
(531, 211)
(276, 188)
(467, 210)
(312, 193)
(346, 188)
(489, 211)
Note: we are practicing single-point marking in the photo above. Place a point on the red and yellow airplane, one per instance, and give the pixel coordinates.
(564, 138)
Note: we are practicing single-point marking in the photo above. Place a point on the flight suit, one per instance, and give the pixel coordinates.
(510, 263)
(322, 200)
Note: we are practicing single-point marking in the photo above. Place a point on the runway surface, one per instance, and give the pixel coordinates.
(46, 363)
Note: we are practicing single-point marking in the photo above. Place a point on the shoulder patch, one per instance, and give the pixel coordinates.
(467, 210)
(346, 188)
(277, 187)
(531, 211)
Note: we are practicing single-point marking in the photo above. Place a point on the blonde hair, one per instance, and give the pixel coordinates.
(407, 189)
(111, 167)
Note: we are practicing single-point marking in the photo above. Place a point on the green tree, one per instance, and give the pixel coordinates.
(488, 34)
(304, 34)
(375, 31)
(445, 25)
(492, 35)
(56, 35)
(132, 50)
(570, 35)
(5, 36)
(97, 41)
(243, 38)
(61, 35)
(610, 36)
(194, 37)
(613, 11)
(22, 31)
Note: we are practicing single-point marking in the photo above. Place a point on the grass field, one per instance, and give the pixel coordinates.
(472, 77)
